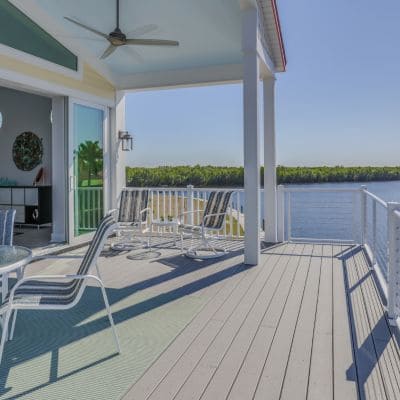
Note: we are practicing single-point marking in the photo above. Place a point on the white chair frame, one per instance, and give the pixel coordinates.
(202, 234)
(12, 308)
(140, 228)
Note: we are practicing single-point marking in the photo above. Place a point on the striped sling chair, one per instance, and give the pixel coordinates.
(132, 217)
(213, 220)
(7, 226)
(6, 237)
(58, 292)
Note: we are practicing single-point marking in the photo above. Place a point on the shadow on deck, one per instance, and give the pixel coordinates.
(308, 322)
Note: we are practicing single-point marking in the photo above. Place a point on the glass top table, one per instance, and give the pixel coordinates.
(12, 259)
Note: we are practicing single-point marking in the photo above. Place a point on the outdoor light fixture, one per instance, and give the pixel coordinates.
(127, 140)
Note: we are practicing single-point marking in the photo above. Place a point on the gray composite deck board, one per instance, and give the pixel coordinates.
(307, 323)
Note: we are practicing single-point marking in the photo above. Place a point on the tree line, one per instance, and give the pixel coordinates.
(212, 176)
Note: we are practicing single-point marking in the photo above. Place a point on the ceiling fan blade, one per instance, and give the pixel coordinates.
(88, 28)
(142, 30)
(152, 42)
(109, 50)
(134, 53)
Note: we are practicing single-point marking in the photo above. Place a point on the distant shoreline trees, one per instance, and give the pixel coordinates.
(211, 176)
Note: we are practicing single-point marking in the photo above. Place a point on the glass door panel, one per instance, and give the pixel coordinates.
(87, 167)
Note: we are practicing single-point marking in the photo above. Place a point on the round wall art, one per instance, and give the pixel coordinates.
(27, 151)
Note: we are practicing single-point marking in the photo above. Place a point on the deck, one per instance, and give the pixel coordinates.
(307, 323)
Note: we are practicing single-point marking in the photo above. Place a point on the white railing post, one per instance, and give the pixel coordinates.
(373, 232)
(281, 213)
(393, 227)
(190, 204)
(363, 210)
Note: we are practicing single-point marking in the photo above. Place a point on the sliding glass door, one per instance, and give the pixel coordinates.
(87, 169)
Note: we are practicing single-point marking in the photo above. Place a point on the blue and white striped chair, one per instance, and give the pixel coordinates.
(58, 292)
(133, 217)
(7, 226)
(213, 220)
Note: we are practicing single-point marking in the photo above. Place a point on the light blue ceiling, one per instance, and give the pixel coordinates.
(209, 31)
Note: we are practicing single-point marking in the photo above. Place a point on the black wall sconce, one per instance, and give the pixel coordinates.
(126, 139)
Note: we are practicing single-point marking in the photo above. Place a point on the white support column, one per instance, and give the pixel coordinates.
(270, 202)
(117, 159)
(251, 75)
(59, 176)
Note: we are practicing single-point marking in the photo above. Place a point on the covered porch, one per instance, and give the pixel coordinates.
(219, 42)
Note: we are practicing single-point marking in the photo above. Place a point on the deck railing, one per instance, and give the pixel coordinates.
(170, 203)
(347, 216)
(90, 207)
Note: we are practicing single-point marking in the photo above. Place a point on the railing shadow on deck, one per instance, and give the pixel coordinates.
(367, 354)
(70, 328)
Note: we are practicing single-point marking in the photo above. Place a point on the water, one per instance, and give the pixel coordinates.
(335, 215)
(388, 191)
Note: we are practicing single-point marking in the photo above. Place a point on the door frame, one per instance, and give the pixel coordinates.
(71, 179)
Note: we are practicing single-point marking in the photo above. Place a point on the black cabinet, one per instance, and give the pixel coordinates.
(32, 203)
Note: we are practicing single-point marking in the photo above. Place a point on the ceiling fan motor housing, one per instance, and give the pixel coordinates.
(117, 38)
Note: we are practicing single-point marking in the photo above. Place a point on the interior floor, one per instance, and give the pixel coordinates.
(32, 237)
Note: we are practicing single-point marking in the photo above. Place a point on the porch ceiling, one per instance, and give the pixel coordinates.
(209, 33)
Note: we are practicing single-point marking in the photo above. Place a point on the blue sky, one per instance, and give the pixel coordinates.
(338, 102)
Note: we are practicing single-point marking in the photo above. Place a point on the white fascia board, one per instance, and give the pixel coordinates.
(22, 81)
(34, 11)
(269, 67)
(219, 74)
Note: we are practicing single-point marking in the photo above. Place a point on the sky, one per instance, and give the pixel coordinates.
(338, 103)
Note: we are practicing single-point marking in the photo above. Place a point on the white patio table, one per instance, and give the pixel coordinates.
(12, 259)
(163, 224)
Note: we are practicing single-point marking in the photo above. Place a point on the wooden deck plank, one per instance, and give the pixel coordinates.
(219, 366)
(297, 372)
(250, 370)
(275, 365)
(385, 344)
(176, 377)
(321, 369)
(153, 376)
(281, 330)
(369, 379)
(344, 374)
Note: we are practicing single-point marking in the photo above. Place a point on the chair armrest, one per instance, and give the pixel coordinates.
(56, 257)
(23, 281)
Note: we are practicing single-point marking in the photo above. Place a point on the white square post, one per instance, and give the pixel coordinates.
(270, 196)
(117, 167)
(251, 75)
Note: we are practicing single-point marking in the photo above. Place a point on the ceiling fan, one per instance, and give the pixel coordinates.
(117, 38)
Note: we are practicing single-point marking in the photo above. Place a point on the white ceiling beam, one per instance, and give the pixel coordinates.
(218, 74)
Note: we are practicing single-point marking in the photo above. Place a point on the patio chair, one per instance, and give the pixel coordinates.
(7, 226)
(213, 220)
(6, 237)
(133, 213)
(58, 292)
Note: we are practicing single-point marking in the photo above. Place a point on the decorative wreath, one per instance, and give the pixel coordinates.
(27, 151)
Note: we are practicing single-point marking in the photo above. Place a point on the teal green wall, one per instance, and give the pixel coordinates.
(21, 33)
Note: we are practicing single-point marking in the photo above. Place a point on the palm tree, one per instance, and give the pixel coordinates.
(90, 159)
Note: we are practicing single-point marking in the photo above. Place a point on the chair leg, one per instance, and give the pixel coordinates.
(181, 242)
(98, 271)
(14, 318)
(110, 318)
(4, 333)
